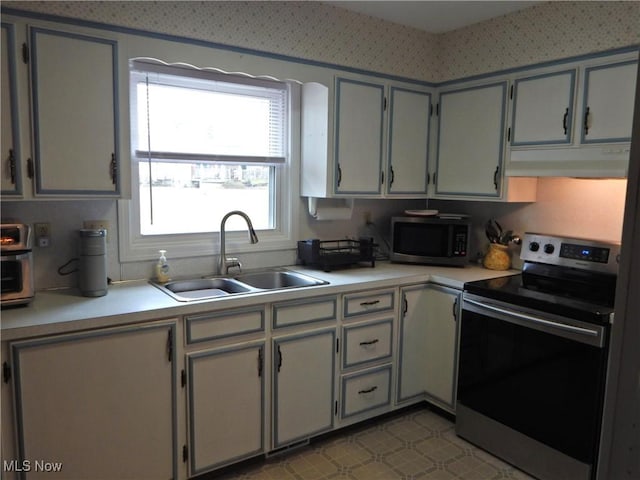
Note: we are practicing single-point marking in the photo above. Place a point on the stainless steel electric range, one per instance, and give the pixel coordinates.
(533, 357)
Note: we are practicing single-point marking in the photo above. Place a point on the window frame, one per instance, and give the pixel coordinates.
(134, 246)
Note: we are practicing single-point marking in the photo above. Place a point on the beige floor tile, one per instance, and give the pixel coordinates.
(418, 444)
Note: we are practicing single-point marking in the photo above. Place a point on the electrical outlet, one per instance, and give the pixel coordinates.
(97, 224)
(43, 234)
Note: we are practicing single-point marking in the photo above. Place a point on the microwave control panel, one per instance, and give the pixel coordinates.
(460, 234)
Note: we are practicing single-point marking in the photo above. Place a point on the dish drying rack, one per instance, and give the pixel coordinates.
(328, 254)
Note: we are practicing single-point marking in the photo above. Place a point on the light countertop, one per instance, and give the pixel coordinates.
(65, 310)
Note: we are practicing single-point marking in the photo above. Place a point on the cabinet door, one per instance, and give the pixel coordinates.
(608, 102)
(471, 141)
(359, 130)
(10, 141)
(543, 109)
(225, 391)
(74, 97)
(303, 386)
(102, 404)
(440, 343)
(428, 345)
(408, 141)
(413, 332)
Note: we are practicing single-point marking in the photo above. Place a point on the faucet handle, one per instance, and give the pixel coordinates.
(233, 262)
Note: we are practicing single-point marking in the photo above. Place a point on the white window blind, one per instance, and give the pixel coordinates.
(205, 116)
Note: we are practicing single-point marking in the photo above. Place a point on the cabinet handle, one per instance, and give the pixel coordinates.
(170, 346)
(12, 166)
(405, 305)
(279, 358)
(30, 169)
(369, 303)
(495, 177)
(339, 175)
(455, 310)
(428, 178)
(6, 372)
(368, 390)
(113, 166)
(392, 175)
(586, 121)
(370, 342)
(564, 120)
(260, 362)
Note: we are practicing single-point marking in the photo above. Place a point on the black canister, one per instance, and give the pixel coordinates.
(92, 274)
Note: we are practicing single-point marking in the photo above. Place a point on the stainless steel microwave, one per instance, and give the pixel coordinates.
(430, 240)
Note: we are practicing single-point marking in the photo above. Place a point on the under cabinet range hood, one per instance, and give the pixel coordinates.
(603, 161)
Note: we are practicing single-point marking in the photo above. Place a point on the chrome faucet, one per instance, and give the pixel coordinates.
(225, 263)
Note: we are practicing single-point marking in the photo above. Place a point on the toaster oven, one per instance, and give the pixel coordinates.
(16, 264)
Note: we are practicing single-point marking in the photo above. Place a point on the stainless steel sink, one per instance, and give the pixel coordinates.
(190, 290)
(278, 279)
(202, 288)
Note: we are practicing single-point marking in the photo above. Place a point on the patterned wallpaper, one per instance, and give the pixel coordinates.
(544, 32)
(317, 31)
(308, 30)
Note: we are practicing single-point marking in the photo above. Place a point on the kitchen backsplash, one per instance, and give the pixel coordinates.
(573, 207)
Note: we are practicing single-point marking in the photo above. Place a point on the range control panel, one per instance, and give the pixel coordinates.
(571, 252)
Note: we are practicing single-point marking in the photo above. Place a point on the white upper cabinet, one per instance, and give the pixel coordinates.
(10, 142)
(556, 133)
(409, 118)
(359, 130)
(609, 91)
(471, 140)
(370, 140)
(543, 108)
(74, 102)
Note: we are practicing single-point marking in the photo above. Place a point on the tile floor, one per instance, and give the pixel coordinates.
(415, 444)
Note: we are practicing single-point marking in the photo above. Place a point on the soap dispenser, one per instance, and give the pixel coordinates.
(162, 268)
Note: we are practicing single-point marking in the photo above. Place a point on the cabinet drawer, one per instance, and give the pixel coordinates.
(368, 302)
(366, 391)
(215, 325)
(304, 311)
(365, 343)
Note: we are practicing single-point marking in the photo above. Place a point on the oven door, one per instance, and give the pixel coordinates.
(17, 278)
(535, 377)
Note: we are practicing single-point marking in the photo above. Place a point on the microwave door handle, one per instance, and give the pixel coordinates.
(536, 320)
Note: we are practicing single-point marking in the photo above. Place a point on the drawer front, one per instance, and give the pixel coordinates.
(366, 391)
(366, 343)
(304, 311)
(368, 302)
(216, 325)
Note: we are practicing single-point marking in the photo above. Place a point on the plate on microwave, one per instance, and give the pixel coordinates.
(422, 213)
(453, 216)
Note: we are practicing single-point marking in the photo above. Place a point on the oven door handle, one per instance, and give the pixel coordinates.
(540, 321)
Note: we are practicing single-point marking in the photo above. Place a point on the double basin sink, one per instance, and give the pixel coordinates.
(251, 282)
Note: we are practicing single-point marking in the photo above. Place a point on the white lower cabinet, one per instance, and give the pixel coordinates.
(428, 345)
(226, 405)
(254, 379)
(303, 385)
(98, 404)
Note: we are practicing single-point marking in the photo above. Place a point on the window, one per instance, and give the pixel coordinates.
(205, 143)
